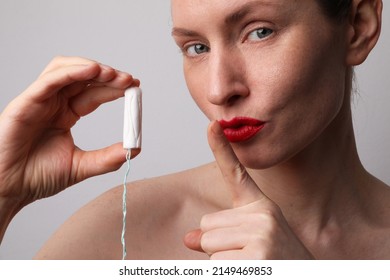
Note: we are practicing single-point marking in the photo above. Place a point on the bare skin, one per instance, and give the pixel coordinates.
(93, 232)
(297, 190)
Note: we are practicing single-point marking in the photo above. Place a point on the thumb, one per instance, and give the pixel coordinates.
(87, 164)
(242, 187)
(192, 240)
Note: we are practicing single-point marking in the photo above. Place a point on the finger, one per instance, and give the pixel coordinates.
(242, 187)
(53, 81)
(120, 80)
(90, 100)
(225, 218)
(93, 163)
(102, 79)
(231, 255)
(223, 239)
(73, 79)
(109, 78)
(62, 61)
(192, 240)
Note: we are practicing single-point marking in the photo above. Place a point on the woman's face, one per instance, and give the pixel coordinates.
(278, 61)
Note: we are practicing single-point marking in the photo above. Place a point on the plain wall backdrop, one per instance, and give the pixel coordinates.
(134, 36)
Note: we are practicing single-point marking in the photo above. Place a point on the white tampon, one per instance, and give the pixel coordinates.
(132, 127)
(132, 134)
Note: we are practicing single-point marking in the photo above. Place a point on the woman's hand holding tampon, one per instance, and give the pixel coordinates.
(38, 157)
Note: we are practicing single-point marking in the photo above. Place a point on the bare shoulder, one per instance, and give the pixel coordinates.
(379, 195)
(373, 238)
(159, 212)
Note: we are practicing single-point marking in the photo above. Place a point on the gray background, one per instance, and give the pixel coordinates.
(134, 36)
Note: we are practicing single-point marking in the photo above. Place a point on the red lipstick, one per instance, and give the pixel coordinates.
(241, 129)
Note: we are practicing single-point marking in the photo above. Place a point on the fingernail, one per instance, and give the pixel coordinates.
(106, 67)
(137, 82)
(215, 127)
(124, 75)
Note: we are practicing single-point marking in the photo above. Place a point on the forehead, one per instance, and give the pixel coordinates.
(195, 11)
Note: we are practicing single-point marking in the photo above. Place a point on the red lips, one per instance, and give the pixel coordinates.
(241, 129)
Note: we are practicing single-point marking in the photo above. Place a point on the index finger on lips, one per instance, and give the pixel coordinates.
(243, 189)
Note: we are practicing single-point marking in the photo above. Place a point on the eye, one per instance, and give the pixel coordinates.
(259, 34)
(196, 49)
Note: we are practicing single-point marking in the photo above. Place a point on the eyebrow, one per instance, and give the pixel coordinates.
(177, 31)
(245, 9)
(231, 19)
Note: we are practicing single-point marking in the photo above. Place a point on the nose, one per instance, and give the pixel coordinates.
(227, 82)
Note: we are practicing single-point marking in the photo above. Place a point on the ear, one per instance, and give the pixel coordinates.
(365, 25)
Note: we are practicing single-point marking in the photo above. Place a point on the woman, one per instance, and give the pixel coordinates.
(274, 78)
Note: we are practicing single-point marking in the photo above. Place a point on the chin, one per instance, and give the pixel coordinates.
(257, 162)
(263, 160)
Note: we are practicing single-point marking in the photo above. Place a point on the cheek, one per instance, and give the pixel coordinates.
(196, 80)
(300, 94)
(302, 77)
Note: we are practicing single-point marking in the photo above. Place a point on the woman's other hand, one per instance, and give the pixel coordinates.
(254, 228)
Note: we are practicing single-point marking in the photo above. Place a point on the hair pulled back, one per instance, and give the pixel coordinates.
(336, 9)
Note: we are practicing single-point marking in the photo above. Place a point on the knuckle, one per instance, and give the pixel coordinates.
(265, 207)
(268, 220)
(205, 222)
(61, 60)
(56, 62)
(58, 59)
(271, 210)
